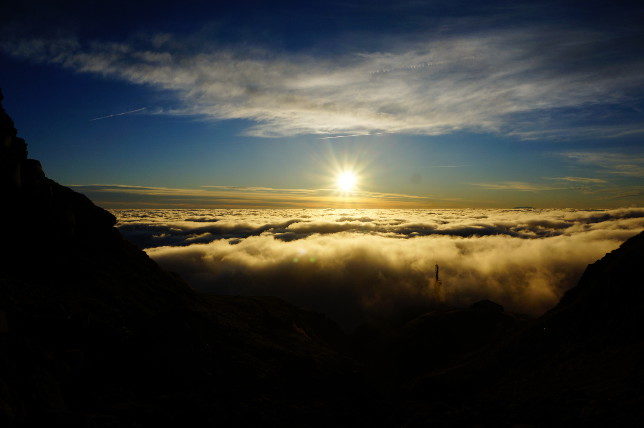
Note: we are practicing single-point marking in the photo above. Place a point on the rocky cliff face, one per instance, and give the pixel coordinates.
(581, 361)
(49, 209)
(94, 333)
(578, 363)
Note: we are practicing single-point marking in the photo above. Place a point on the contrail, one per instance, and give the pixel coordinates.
(117, 114)
(350, 135)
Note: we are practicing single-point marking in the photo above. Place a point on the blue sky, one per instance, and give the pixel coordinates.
(253, 104)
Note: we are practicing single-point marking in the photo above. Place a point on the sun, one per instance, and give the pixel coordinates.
(346, 181)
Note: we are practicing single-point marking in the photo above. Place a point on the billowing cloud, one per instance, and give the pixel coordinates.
(354, 264)
(509, 81)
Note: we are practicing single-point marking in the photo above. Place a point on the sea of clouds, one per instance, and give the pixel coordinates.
(356, 264)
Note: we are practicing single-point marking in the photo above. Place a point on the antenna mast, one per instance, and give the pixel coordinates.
(438, 285)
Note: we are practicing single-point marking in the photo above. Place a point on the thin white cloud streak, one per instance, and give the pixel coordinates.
(621, 164)
(581, 132)
(585, 180)
(118, 114)
(517, 186)
(230, 196)
(354, 264)
(477, 82)
(346, 136)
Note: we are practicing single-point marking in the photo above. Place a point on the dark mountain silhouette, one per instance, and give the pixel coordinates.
(94, 333)
(578, 363)
(456, 332)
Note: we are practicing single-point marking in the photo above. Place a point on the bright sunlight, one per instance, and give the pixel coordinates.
(346, 181)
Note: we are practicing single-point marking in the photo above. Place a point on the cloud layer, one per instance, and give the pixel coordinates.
(511, 81)
(356, 264)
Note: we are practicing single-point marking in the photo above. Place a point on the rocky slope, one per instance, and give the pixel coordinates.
(578, 363)
(94, 333)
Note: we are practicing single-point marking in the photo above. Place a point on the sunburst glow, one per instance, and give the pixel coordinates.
(346, 181)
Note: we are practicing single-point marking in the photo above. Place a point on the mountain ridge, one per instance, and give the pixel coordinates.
(93, 332)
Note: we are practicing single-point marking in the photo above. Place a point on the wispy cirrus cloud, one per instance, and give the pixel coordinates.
(620, 164)
(585, 180)
(516, 185)
(489, 81)
(581, 132)
(632, 192)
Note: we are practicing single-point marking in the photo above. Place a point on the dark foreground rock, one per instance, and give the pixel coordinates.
(94, 333)
(579, 363)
